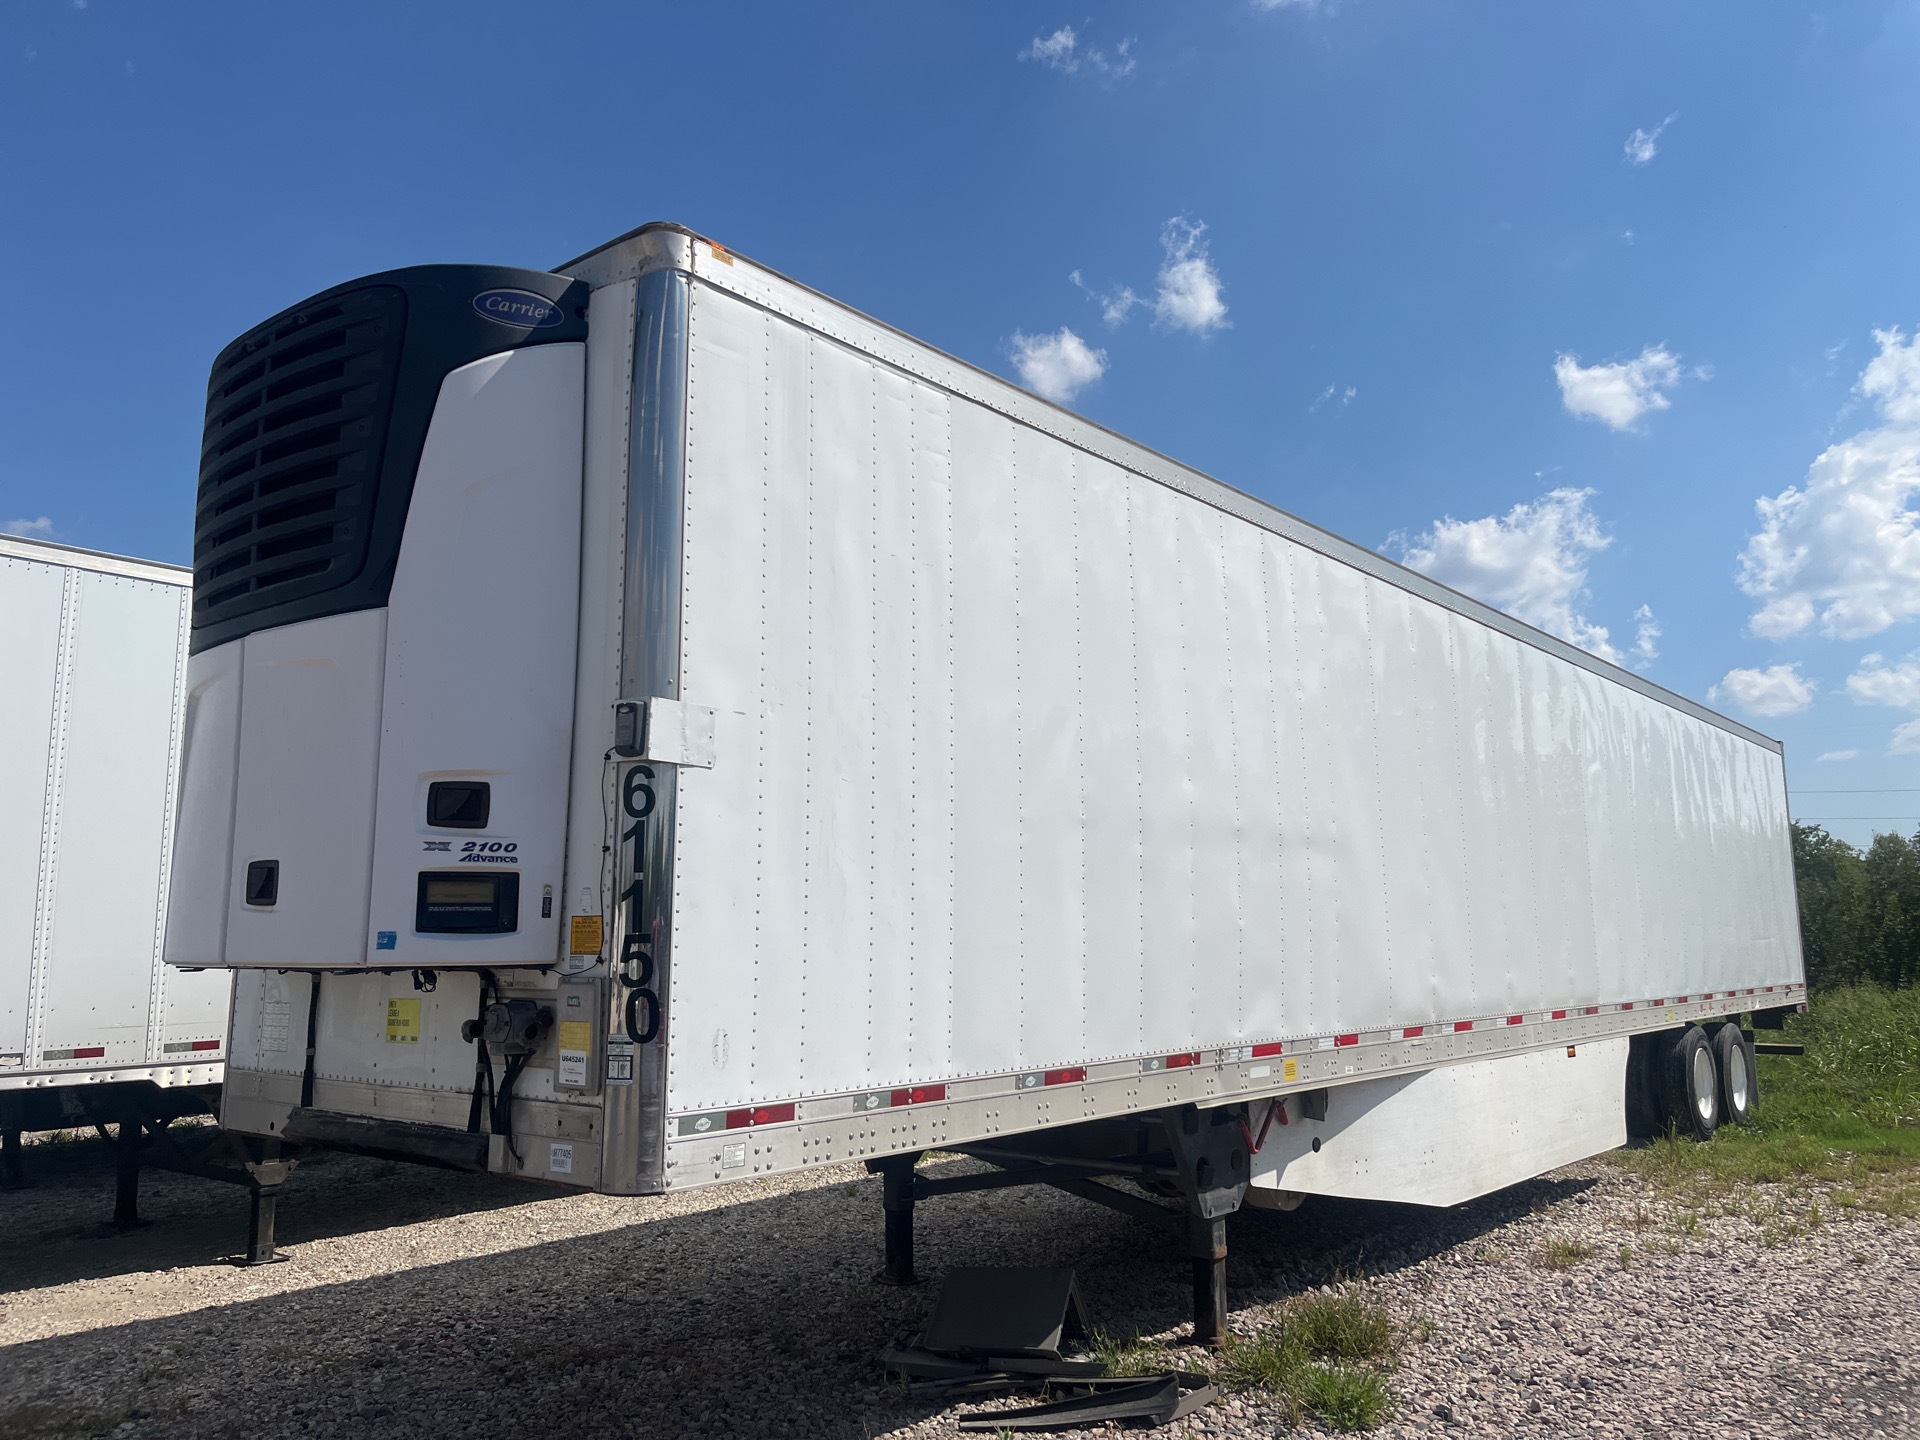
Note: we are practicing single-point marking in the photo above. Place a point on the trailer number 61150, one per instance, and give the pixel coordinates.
(636, 950)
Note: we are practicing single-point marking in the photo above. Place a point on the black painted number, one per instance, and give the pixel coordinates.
(636, 951)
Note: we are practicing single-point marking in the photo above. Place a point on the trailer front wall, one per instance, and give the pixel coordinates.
(1026, 760)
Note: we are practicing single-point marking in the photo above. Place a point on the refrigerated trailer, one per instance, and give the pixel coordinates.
(93, 1027)
(652, 725)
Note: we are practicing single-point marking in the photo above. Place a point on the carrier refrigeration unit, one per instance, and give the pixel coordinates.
(93, 1027)
(652, 725)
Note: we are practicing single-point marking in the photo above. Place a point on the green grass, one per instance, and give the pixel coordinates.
(1563, 1254)
(1848, 1111)
(1342, 1327)
(1346, 1397)
(1129, 1357)
(1325, 1357)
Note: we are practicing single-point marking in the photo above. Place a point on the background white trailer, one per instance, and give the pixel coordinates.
(866, 756)
(93, 659)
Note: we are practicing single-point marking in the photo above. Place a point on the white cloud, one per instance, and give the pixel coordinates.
(1776, 690)
(1893, 377)
(1332, 393)
(1845, 550)
(1530, 562)
(1286, 4)
(1115, 305)
(1618, 394)
(40, 529)
(1642, 145)
(1055, 50)
(1838, 755)
(1058, 366)
(1189, 287)
(1878, 683)
(1187, 290)
(1646, 638)
(1063, 51)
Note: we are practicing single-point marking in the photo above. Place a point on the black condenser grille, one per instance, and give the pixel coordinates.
(297, 415)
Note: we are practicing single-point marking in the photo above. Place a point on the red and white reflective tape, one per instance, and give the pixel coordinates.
(979, 1087)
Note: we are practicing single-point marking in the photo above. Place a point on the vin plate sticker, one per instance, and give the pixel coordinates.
(619, 1062)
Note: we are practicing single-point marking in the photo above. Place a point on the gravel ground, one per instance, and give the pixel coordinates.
(422, 1304)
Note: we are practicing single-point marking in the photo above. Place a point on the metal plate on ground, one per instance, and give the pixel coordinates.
(1007, 1310)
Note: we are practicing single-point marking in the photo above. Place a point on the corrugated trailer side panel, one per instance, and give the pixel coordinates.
(94, 648)
(1195, 784)
(108, 869)
(31, 604)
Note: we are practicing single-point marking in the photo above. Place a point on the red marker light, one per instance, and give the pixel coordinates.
(919, 1094)
(1413, 1032)
(1065, 1076)
(1346, 1040)
(89, 1052)
(759, 1115)
(1261, 1052)
(1180, 1062)
(1460, 1025)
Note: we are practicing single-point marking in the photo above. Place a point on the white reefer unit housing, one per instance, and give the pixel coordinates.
(711, 733)
(93, 654)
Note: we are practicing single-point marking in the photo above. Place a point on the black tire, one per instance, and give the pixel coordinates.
(1689, 1083)
(1645, 1114)
(1733, 1059)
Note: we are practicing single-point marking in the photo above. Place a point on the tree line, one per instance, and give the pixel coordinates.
(1859, 909)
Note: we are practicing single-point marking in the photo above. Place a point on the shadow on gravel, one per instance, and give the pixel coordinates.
(59, 1227)
(757, 1318)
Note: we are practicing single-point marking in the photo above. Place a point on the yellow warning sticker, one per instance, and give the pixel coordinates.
(1289, 1069)
(587, 935)
(576, 1045)
(403, 1021)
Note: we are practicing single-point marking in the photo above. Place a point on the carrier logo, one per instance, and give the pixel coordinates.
(520, 308)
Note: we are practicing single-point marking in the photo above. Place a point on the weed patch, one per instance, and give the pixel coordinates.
(1327, 1357)
(1561, 1253)
(1128, 1357)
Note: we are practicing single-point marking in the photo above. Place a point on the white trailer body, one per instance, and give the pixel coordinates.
(93, 649)
(860, 755)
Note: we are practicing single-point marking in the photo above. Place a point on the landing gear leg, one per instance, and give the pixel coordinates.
(896, 1175)
(266, 1178)
(129, 1143)
(1207, 1246)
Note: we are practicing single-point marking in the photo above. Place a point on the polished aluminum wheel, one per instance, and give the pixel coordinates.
(1704, 1100)
(1739, 1092)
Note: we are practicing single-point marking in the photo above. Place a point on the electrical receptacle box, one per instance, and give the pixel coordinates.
(579, 1035)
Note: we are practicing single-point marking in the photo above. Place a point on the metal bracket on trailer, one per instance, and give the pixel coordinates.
(143, 1139)
(1204, 1161)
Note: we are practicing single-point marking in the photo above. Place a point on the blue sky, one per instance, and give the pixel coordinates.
(1545, 299)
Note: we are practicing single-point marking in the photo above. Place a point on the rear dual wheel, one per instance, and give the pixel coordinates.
(1689, 1083)
(1739, 1081)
